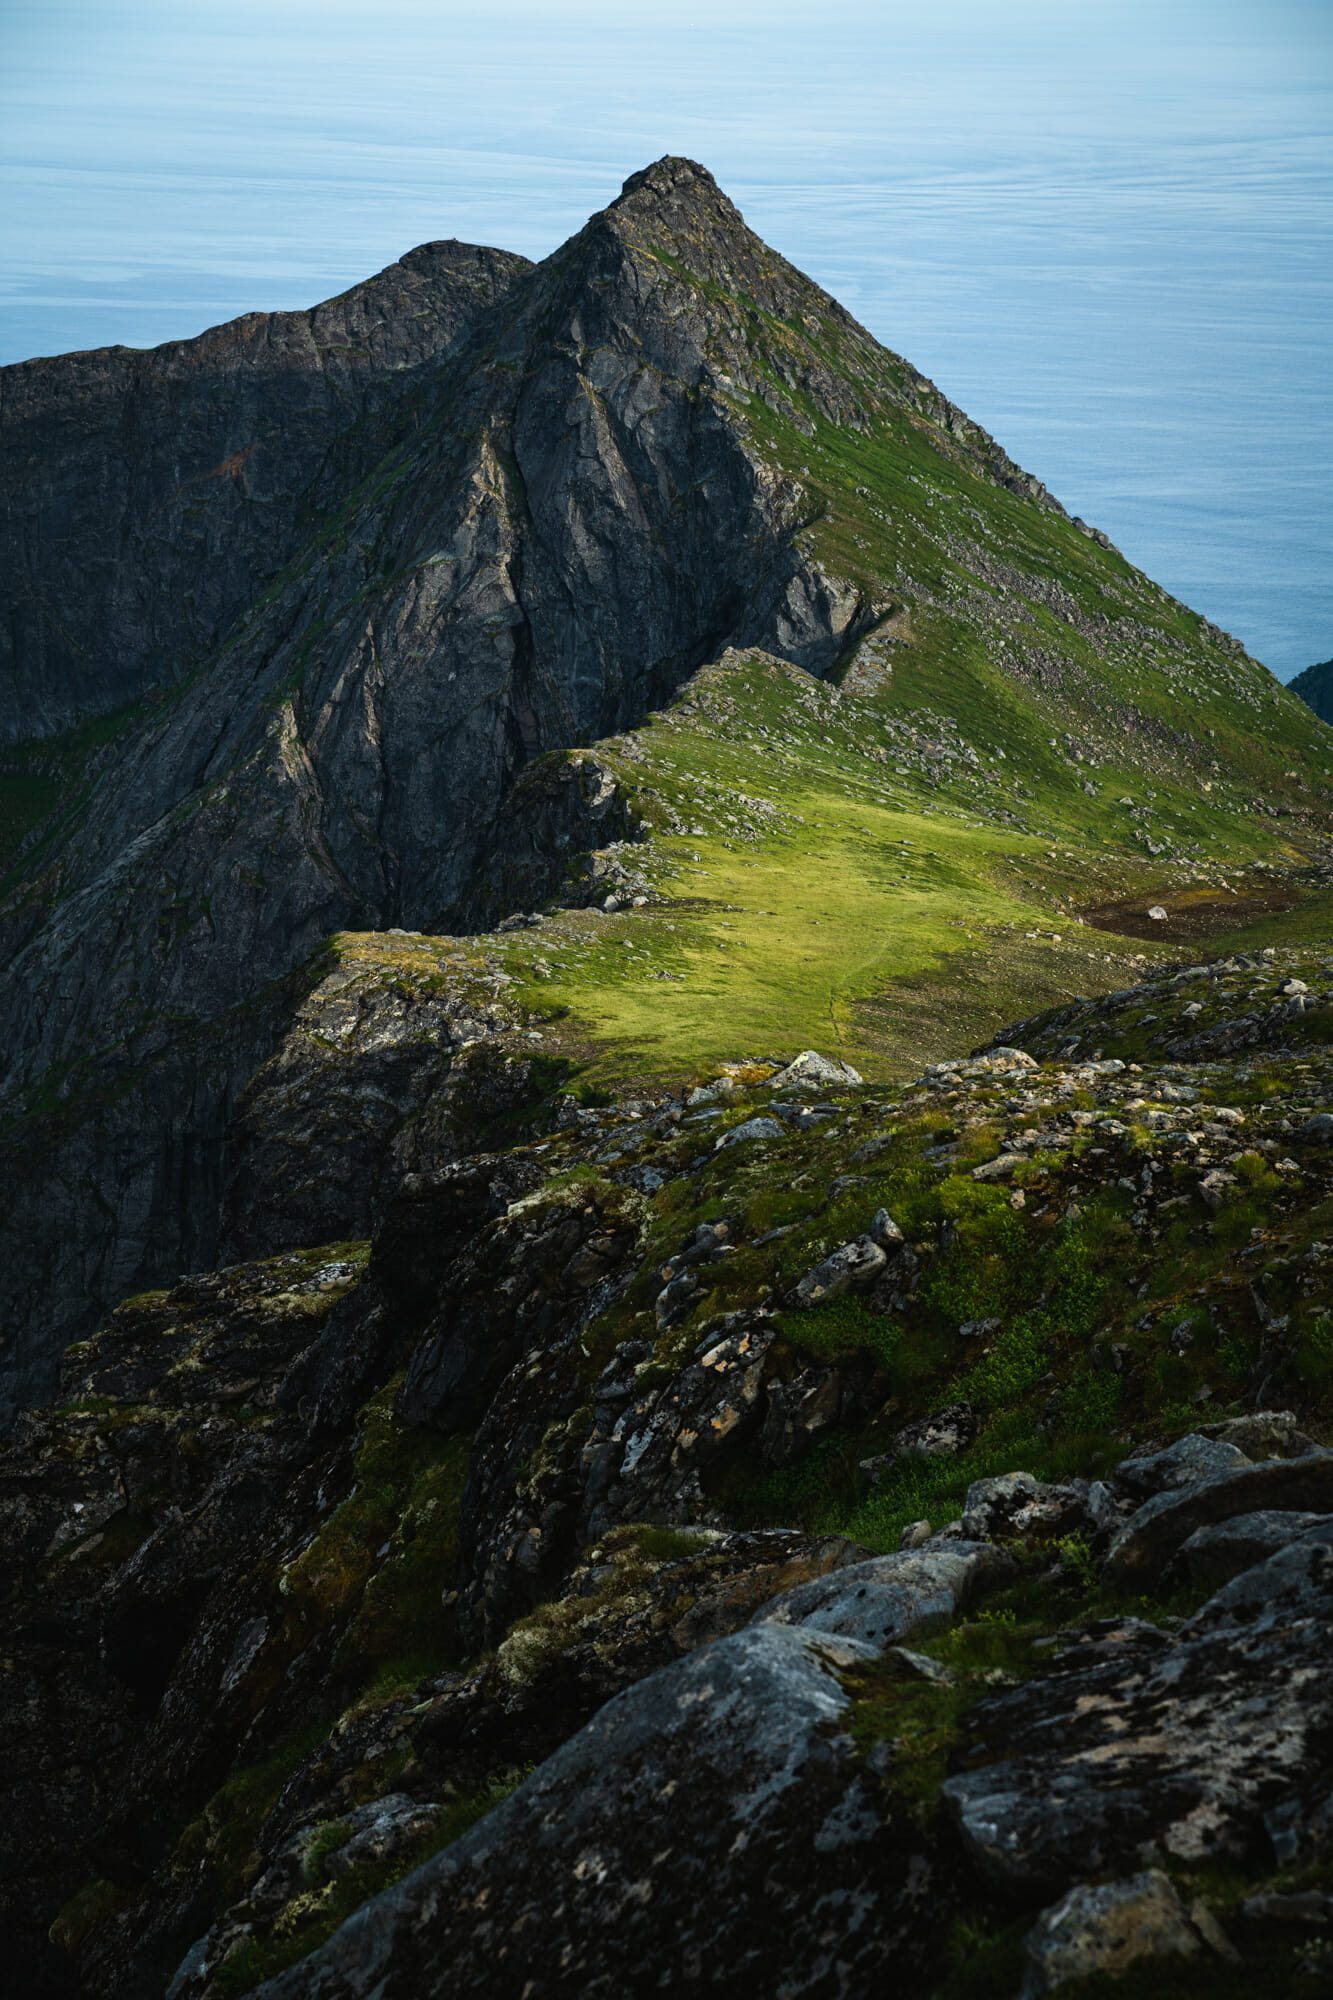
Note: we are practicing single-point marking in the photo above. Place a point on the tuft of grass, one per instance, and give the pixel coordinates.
(310, 1921)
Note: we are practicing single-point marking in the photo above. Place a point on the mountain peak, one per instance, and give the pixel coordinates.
(671, 178)
(679, 199)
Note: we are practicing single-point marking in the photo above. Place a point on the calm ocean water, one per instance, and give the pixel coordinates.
(1110, 239)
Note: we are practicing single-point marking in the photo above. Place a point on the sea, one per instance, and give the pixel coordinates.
(1106, 232)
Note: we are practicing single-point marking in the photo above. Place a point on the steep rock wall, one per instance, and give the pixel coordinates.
(148, 496)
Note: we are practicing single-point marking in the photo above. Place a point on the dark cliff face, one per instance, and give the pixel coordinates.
(572, 521)
(1315, 688)
(150, 495)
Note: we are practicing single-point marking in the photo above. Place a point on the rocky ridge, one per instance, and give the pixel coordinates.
(571, 1466)
(521, 507)
(151, 496)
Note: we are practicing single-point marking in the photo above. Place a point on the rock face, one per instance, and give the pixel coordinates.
(755, 1720)
(1213, 1745)
(150, 497)
(1315, 686)
(533, 562)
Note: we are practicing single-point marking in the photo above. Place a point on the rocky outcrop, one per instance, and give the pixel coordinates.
(702, 1800)
(150, 496)
(1208, 1747)
(375, 1077)
(320, 1555)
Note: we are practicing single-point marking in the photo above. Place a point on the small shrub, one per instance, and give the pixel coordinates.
(668, 1544)
(1314, 1350)
(1079, 1560)
(328, 1837)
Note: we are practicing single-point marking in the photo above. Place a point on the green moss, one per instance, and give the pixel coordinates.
(984, 1954)
(309, 1921)
(668, 1544)
(407, 1495)
(223, 1836)
(329, 1837)
(94, 1904)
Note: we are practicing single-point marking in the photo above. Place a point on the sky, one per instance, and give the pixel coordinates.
(1105, 231)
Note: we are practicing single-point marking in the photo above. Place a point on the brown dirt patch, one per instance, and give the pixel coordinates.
(1191, 914)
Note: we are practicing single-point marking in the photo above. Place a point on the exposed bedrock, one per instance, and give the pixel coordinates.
(150, 495)
(712, 1823)
(572, 521)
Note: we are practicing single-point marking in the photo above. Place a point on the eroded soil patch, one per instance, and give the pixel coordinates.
(1191, 914)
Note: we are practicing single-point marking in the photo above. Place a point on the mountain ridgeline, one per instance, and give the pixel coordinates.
(353, 570)
(578, 1417)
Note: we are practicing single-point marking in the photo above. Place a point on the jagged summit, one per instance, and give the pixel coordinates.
(147, 497)
(667, 178)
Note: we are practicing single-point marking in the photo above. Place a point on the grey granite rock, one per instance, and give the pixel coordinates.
(120, 467)
(1215, 1554)
(810, 1070)
(658, 1844)
(1186, 1463)
(852, 1265)
(1105, 1929)
(1151, 1536)
(1213, 1745)
(882, 1601)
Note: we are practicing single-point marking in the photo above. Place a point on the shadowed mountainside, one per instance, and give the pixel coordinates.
(148, 496)
(661, 441)
(1315, 688)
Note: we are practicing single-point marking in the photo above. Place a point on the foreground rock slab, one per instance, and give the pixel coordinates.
(712, 1822)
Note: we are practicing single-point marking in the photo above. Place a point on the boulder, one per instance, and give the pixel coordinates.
(1186, 1463)
(885, 1231)
(1104, 1929)
(753, 1128)
(880, 1602)
(665, 1837)
(1262, 1434)
(814, 1072)
(1151, 1536)
(1216, 1553)
(855, 1264)
(1015, 1505)
(1215, 1744)
(1213, 1188)
(940, 1436)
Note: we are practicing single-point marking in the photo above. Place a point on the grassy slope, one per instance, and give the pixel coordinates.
(825, 893)
(891, 907)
